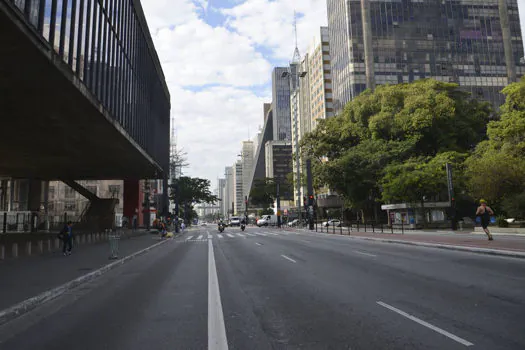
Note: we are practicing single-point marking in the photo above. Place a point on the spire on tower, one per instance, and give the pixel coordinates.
(296, 55)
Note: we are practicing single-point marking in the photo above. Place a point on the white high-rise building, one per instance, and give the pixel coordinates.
(238, 192)
(248, 154)
(229, 191)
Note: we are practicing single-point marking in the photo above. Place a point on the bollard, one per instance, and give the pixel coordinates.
(40, 247)
(28, 248)
(333, 229)
(341, 228)
(402, 227)
(365, 226)
(113, 245)
(15, 250)
(373, 228)
(2, 252)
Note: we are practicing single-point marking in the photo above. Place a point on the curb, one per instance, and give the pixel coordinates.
(27, 305)
(498, 252)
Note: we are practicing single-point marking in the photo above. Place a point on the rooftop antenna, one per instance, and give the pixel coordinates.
(296, 55)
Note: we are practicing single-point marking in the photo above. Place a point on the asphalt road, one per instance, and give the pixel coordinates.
(269, 289)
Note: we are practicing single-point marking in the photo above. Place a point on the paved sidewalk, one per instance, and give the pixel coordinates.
(25, 278)
(501, 242)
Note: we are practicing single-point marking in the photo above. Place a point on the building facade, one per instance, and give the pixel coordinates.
(282, 127)
(278, 156)
(475, 43)
(248, 154)
(229, 191)
(239, 191)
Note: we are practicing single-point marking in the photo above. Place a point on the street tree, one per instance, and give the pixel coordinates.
(393, 124)
(189, 191)
(496, 169)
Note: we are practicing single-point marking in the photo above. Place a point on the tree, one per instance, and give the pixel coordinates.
(263, 193)
(496, 169)
(190, 191)
(392, 125)
(419, 177)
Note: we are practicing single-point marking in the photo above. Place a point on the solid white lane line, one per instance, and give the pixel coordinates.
(426, 324)
(287, 258)
(258, 243)
(216, 329)
(363, 253)
(189, 237)
(200, 237)
(230, 235)
(219, 235)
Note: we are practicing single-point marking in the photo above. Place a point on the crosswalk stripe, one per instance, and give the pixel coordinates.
(219, 235)
(260, 234)
(251, 234)
(200, 237)
(210, 236)
(230, 235)
(240, 235)
(189, 237)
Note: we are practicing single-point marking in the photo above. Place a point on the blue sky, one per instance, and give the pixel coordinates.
(217, 56)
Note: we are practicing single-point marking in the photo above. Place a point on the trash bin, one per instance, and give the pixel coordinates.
(113, 245)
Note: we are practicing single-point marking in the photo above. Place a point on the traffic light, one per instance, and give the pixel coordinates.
(310, 200)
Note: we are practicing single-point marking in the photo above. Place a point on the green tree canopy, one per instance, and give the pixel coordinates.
(496, 170)
(190, 191)
(394, 124)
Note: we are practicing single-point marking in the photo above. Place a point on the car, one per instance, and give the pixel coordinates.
(235, 221)
(293, 222)
(333, 222)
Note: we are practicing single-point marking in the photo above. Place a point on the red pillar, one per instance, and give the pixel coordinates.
(131, 198)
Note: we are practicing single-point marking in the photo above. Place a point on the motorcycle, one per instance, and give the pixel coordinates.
(221, 228)
(243, 226)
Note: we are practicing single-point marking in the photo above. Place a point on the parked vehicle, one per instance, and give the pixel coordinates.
(235, 221)
(333, 222)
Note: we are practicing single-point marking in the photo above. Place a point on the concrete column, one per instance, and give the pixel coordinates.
(2, 252)
(367, 41)
(35, 198)
(131, 198)
(507, 43)
(28, 248)
(57, 243)
(15, 250)
(40, 247)
(48, 245)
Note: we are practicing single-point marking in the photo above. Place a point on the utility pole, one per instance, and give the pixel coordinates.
(451, 198)
(309, 184)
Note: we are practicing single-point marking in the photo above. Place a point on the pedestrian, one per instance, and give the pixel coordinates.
(484, 212)
(67, 238)
(182, 227)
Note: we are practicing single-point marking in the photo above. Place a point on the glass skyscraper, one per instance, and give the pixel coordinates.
(475, 43)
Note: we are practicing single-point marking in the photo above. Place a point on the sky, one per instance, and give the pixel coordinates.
(217, 57)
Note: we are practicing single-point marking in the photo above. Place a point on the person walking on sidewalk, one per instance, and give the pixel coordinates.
(67, 232)
(484, 212)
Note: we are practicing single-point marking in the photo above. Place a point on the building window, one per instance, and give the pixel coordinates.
(114, 191)
(69, 192)
(69, 206)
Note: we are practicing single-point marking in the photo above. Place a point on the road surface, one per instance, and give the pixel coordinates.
(270, 289)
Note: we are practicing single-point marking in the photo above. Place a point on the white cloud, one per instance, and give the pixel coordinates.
(270, 23)
(211, 125)
(214, 72)
(194, 54)
(165, 13)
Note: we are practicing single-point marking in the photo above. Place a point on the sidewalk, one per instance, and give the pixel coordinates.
(27, 277)
(471, 241)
